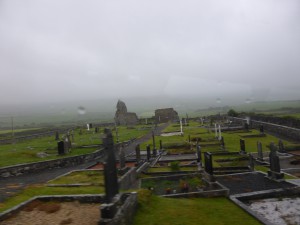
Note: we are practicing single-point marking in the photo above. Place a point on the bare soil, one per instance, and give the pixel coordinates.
(73, 213)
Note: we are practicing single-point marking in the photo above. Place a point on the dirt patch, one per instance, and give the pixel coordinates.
(74, 213)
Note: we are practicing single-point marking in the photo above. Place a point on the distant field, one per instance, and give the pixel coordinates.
(17, 130)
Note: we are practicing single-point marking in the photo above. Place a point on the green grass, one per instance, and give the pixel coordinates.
(154, 210)
(17, 130)
(265, 170)
(38, 190)
(94, 177)
(168, 169)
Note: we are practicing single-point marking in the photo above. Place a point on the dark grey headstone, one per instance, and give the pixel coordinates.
(153, 140)
(274, 159)
(61, 147)
(160, 145)
(91, 125)
(260, 155)
(199, 157)
(242, 146)
(208, 163)
(138, 153)
(110, 170)
(251, 162)
(148, 153)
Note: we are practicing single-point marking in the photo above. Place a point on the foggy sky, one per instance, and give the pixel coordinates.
(76, 50)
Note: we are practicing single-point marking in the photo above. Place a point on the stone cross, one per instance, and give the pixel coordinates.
(148, 153)
(242, 146)
(110, 170)
(138, 153)
(260, 155)
(122, 158)
(208, 163)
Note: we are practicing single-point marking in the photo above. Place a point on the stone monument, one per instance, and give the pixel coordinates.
(122, 117)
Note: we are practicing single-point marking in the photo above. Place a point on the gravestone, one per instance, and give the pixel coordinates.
(96, 129)
(138, 153)
(260, 155)
(251, 162)
(91, 125)
(153, 142)
(88, 126)
(199, 157)
(280, 146)
(274, 172)
(61, 148)
(160, 145)
(154, 153)
(246, 126)
(242, 146)
(56, 136)
(122, 158)
(222, 143)
(261, 129)
(208, 166)
(110, 170)
(148, 153)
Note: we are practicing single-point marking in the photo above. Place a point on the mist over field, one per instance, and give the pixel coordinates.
(56, 56)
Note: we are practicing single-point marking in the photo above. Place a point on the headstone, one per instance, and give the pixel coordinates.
(216, 131)
(96, 129)
(122, 158)
(148, 153)
(251, 162)
(110, 170)
(56, 136)
(261, 129)
(91, 125)
(260, 155)
(208, 163)
(146, 121)
(246, 126)
(153, 141)
(220, 133)
(61, 147)
(242, 146)
(222, 143)
(138, 153)
(154, 152)
(160, 145)
(280, 146)
(274, 172)
(199, 157)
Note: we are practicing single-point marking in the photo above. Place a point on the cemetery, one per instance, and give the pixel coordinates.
(170, 168)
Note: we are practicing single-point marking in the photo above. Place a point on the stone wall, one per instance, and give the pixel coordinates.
(283, 131)
(63, 162)
(128, 179)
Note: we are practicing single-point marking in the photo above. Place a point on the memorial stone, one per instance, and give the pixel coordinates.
(160, 145)
(61, 147)
(208, 163)
(56, 136)
(274, 172)
(148, 153)
(110, 171)
(260, 155)
(199, 157)
(280, 146)
(242, 146)
(138, 153)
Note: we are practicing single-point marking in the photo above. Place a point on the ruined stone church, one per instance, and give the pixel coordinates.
(122, 117)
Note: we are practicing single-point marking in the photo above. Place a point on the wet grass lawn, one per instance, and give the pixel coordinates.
(154, 210)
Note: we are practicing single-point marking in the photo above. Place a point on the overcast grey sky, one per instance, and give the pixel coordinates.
(69, 49)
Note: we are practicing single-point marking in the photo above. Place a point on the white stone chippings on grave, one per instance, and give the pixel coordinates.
(284, 211)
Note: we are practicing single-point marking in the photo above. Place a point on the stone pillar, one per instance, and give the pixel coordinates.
(160, 145)
(110, 170)
(242, 146)
(148, 153)
(61, 148)
(274, 172)
(208, 163)
(138, 153)
(260, 155)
